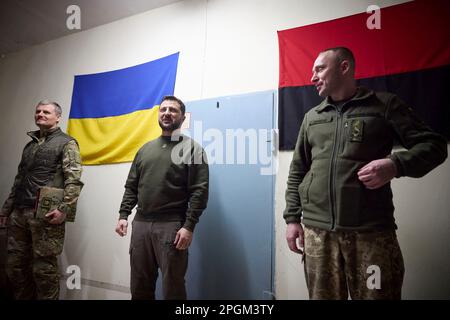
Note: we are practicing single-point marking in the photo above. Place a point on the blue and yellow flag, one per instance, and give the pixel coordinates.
(114, 113)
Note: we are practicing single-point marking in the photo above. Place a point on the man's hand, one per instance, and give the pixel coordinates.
(3, 219)
(294, 231)
(56, 216)
(121, 228)
(377, 173)
(183, 239)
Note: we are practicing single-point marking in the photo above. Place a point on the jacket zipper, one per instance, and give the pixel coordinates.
(336, 146)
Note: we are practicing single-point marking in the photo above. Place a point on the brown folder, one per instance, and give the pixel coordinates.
(48, 200)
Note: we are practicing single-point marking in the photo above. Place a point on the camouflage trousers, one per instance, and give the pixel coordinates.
(366, 265)
(33, 247)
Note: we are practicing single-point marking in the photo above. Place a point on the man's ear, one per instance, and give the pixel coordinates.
(345, 66)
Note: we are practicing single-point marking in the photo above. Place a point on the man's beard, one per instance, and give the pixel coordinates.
(172, 127)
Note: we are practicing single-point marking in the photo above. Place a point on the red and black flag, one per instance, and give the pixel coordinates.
(409, 55)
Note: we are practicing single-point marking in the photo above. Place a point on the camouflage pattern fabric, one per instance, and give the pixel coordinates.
(341, 263)
(72, 170)
(33, 247)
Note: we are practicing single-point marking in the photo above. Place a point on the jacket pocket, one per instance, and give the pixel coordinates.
(366, 136)
(363, 126)
(321, 120)
(304, 187)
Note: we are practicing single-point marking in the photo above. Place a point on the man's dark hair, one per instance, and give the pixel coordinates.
(343, 53)
(173, 98)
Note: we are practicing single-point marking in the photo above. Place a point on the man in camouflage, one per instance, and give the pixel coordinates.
(51, 159)
(339, 183)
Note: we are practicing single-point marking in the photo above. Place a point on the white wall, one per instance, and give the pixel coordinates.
(226, 47)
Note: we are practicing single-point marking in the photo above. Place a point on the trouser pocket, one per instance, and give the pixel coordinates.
(48, 239)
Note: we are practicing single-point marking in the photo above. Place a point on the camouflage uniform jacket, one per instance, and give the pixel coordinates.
(54, 161)
(334, 143)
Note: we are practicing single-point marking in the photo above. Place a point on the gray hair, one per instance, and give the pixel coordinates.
(58, 109)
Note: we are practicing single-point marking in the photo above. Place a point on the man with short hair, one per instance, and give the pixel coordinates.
(168, 181)
(339, 183)
(50, 159)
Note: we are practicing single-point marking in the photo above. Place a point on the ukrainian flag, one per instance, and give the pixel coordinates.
(114, 113)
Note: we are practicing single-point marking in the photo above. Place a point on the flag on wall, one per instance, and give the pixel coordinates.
(114, 113)
(409, 56)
